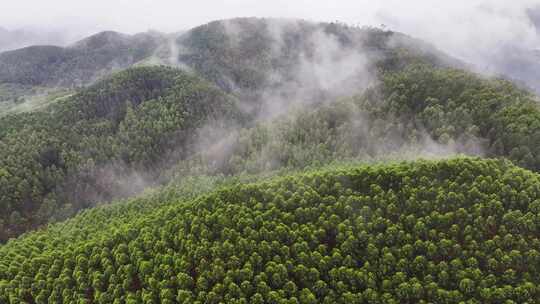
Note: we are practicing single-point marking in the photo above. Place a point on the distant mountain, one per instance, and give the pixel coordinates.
(534, 16)
(518, 63)
(19, 38)
(83, 62)
(241, 53)
(254, 57)
(292, 57)
(78, 64)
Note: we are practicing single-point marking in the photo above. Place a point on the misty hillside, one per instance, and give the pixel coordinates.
(250, 55)
(196, 143)
(522, 65)
(439, 231)
(78, 64)
(145, 125)
(141, 127)
(61, 160)
(291, 61)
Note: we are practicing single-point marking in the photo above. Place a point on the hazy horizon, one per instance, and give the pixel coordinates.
(484, 33)
(418, 17)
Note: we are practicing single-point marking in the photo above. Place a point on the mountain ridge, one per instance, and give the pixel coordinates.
(77, 64)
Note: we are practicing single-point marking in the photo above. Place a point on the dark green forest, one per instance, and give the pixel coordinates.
(60, 161)
(81, 151)
(239, 172)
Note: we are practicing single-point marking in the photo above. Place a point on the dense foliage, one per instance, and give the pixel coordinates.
(115, 137)
(88, 147)
(423, 232)
(453, 104)
(417, 110)
(94, 145)
(254, 56)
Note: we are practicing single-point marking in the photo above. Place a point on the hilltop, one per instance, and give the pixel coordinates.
(250, 55)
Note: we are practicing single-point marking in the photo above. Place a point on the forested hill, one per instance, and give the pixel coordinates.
(220, 50)
(249, 55)
(255, 54)
(139, 127)
(452, 231)
(78, 64)
(106, 141)
(114, 137)
(295, 61)
(260, 95)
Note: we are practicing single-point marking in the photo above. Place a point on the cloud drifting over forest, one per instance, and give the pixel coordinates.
(460, 27)
(496, 36)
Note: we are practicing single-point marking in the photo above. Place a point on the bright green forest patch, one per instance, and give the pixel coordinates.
(425, 231)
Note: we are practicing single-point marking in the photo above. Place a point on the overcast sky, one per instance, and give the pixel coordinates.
(464, 28)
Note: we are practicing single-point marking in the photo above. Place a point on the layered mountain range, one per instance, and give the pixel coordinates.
(264, 161)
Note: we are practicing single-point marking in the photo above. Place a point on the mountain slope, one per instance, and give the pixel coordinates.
(94, 145)
(87, 148)
(419, 110)
(454, 230)
(140, 127)
(284, 59)
(76, 65)
(266, 97)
